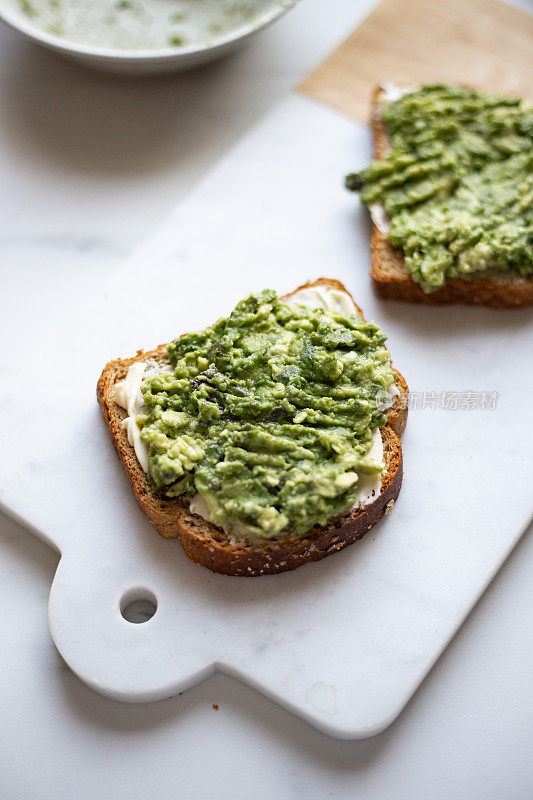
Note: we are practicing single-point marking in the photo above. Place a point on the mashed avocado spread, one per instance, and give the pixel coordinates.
(269, 414)
(457, 183)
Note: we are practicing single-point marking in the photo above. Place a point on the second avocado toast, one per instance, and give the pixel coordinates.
(451, 196)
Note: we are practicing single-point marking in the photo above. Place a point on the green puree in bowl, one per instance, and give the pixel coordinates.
(269, 414)
(134, 25)
(457, 183)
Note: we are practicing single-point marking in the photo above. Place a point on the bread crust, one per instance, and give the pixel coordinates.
(392, 281)
(208, 544)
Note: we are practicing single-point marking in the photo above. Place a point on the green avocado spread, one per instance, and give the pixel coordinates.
(269, 414)
(457, 183)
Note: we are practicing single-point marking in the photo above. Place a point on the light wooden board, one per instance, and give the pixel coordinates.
(485, 43)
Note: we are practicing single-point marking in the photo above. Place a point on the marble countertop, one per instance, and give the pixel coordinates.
(90, 165)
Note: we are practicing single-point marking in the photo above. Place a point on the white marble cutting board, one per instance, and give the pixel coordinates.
(344, 642)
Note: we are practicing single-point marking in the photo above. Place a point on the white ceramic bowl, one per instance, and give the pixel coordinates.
(143, 62)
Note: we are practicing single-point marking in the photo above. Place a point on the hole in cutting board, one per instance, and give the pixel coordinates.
(138, 605)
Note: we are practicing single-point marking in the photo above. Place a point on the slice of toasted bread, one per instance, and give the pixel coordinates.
(393, 282)
(208, 544)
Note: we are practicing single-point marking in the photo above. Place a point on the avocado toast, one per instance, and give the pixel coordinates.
(452, 219)
(288, 463)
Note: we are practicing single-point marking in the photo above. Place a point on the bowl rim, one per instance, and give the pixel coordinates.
(18, 23)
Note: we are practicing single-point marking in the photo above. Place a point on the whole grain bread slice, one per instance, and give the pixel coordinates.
(392, 281)
(208, 544)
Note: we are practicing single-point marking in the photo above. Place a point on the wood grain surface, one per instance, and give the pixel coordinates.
(485, 43)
